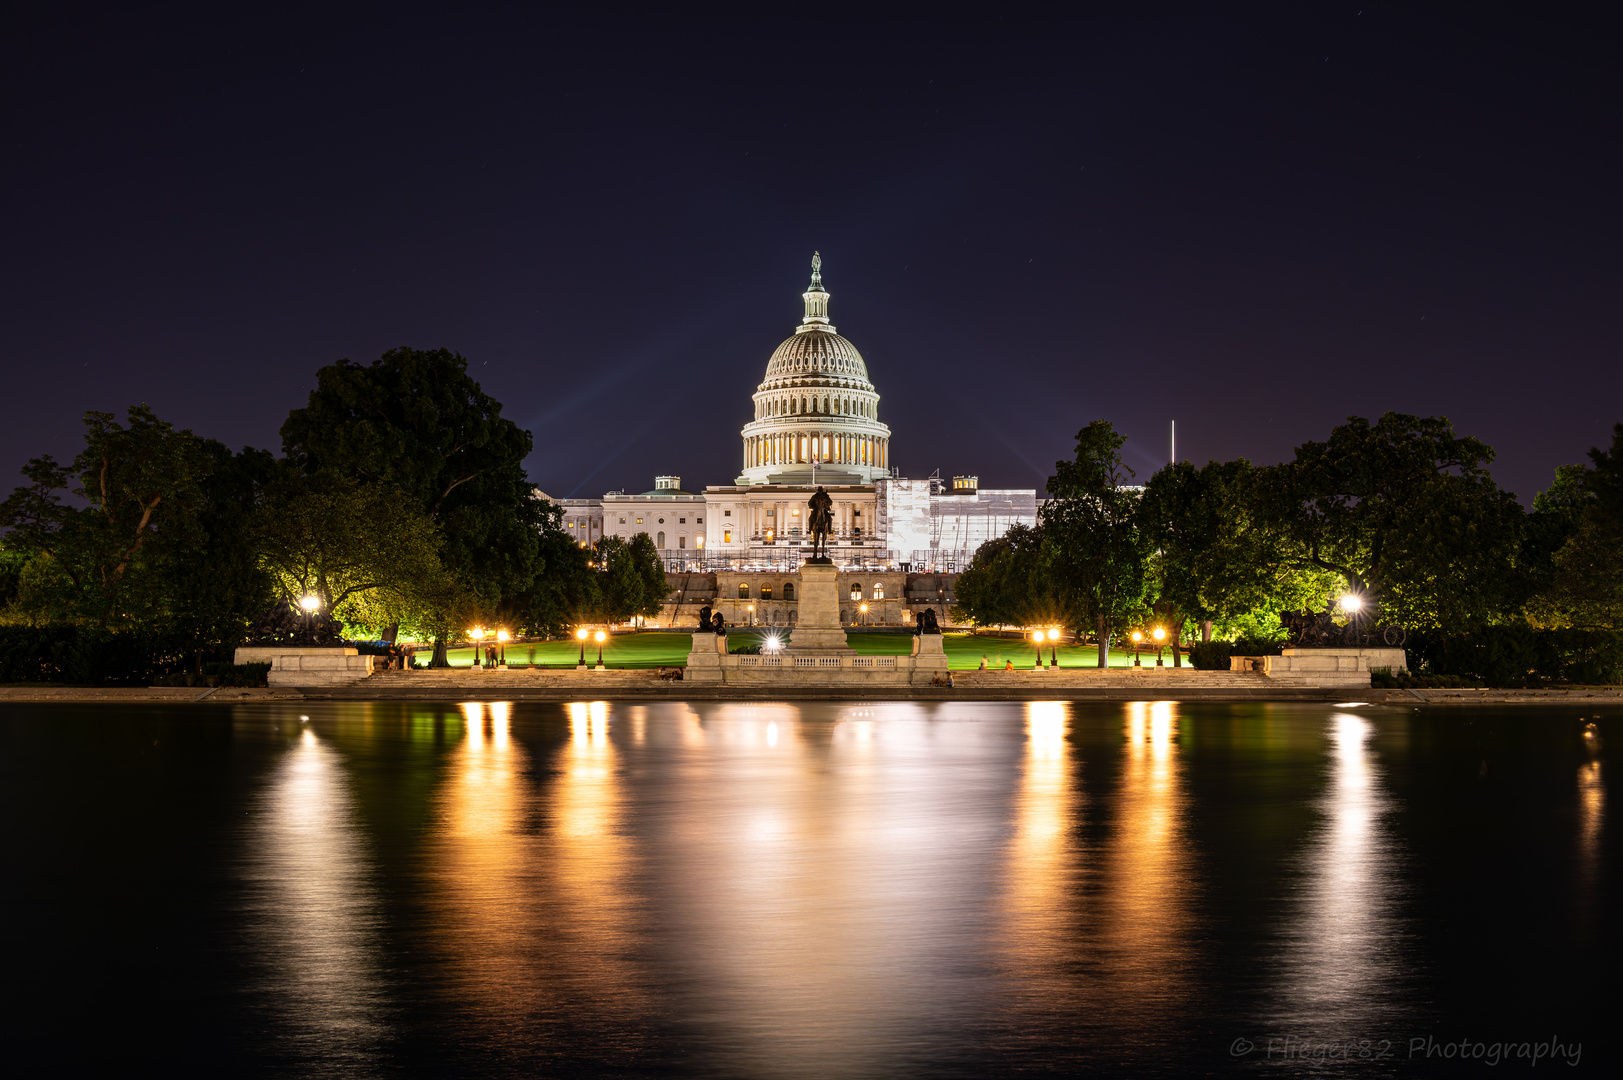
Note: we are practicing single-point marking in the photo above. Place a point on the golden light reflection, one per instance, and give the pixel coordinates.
(813, 900)
(1148, 866)
(1591, 815)
(1043, 861)
(312, 905)
(531, 920)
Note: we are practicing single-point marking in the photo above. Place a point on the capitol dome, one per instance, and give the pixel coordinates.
(821, 351)
(815, 407)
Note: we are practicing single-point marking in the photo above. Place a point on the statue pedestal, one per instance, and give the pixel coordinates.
(704, 657)
(307, 666)
(817, 628)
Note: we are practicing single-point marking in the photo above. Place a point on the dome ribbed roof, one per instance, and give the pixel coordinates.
(816, 352)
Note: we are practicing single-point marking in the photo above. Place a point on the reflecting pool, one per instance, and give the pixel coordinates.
(808, 890)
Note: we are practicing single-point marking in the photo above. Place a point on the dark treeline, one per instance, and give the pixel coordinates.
(1401, 513)
(399, 502)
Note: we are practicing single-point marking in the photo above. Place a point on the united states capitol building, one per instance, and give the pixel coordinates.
(815, 421)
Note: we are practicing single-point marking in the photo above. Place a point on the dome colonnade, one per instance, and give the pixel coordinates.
(816, 403)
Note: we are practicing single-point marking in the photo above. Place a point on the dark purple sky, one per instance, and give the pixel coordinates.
(1253, 220)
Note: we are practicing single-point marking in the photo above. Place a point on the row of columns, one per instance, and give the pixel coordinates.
(833, 405)
(782, 519)
(830, 448)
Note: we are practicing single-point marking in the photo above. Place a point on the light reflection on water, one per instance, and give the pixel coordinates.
(824, 889)
(311, 911)
(1342, 955)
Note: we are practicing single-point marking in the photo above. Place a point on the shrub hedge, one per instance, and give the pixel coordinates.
(85, 655)
(1516, 654)
(1214, 655)
(220, 675)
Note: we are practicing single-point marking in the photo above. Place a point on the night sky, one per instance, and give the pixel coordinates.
(1252, 220)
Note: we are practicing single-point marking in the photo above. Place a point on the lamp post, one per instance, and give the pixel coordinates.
(1038, 636)
(478, 635)
(581, 636)
(1160, 637)
(601, 637)
(1053, 646)
(752, 614)
(1137, 637)
(308, 604)
(502, 638)
(864, 610)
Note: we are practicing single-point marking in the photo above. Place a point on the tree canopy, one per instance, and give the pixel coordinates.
(1406, 512)
(1094, 551)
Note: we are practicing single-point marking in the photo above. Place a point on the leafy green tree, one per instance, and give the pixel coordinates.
(566, 594)
(1406, 512)
(630, 578)
(214, 588)
(358, 548)
(1586, 586)
(1003, 585)
(1213, 553)
(416, 422)
(141, 485)
(1093, 552)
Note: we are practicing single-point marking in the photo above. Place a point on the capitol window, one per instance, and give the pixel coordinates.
(743, 591)
(856, 592)
(724, 513)
(681, 521)
(660, 542)
(727, 536)
(788, 591)
(681, 541)
(766, 592)
(878, 592)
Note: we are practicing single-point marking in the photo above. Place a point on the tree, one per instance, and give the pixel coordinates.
(1586, 583)
(141, 484)
(1213, 553)
(630, 578)
(212, 589)
(357, 548)
(416, 422)
(1002, 585)
(1093, 552)
(1406, 512)
(566, 594)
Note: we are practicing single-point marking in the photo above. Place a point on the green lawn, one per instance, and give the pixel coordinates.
(964, 651)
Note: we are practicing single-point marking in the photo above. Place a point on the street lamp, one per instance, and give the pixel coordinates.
(309, 604)
(752, 614)
(478, 635)
(1160, 636)
(1053, 647)
(502, 638)
(1137, 637)
(1038, 636)
(1351, 603)
(582, 635)
(601, 637)
(864, 610)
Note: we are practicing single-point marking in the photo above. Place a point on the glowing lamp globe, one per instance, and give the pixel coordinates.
(309, 603)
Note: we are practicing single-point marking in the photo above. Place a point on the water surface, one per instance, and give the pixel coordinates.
(815, 890)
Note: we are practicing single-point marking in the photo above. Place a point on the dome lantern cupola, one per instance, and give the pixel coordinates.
(816, 300)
